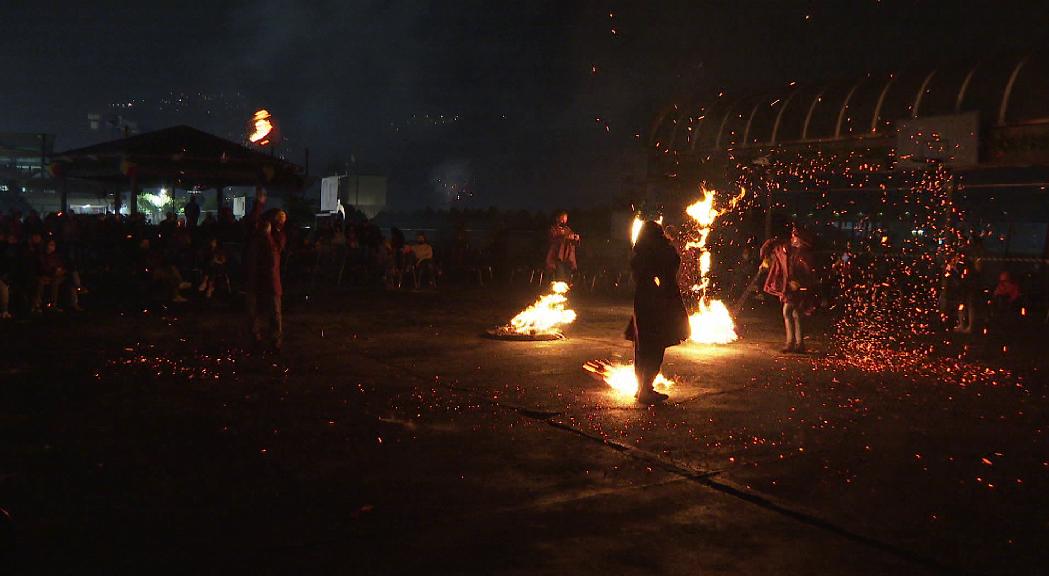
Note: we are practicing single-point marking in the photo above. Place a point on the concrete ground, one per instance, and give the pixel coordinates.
(391, 438)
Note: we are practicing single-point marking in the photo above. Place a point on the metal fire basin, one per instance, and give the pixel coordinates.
(508, 333)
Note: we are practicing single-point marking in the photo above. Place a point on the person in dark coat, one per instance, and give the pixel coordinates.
(397, 242)
(659, 318)
(967, 285)
(266, 292)
(792, 279)
(51, 272)
(8, 247)
(250, 257)
(1007, 303)
(192, 212)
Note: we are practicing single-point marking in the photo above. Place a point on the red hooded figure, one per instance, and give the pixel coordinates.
(792, 279)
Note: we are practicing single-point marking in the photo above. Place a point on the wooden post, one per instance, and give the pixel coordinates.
(218, 201)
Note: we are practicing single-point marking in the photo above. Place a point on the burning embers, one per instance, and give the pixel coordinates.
(543, 320)
(621, 377)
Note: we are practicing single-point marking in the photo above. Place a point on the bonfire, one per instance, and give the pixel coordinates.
(543, 320)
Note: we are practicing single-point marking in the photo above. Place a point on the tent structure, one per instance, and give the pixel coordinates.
(180, 156)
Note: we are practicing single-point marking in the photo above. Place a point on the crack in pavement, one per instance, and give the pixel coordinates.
(706, 478)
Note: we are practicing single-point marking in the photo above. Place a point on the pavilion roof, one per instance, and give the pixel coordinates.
(181, 156)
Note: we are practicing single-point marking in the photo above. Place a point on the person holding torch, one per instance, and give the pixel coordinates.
(659, 318)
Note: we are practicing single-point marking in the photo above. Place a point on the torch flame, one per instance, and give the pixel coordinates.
(547, 315)
(635, 228)
(621, 377)
(263, 127)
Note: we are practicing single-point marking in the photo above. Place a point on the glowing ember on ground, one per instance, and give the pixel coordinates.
(263, 127)
(621, 377)
(711, 323)
(546, 317)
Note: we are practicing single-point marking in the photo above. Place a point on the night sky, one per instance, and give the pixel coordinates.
(501, 96)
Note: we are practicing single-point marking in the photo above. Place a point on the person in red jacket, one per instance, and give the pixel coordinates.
(265, 292)
(792, 279)
(560, 255)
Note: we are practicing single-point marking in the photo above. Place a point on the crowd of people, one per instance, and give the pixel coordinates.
(358, 249)
(968, 300)
(47, 263)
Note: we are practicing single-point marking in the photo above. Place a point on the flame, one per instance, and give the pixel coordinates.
(635, 228)
(621, 377)
(263, 127)
(703, 212)
(712, 323)
(547, 315)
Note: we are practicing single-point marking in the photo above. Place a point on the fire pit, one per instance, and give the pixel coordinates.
(541, 321)
(508, 333)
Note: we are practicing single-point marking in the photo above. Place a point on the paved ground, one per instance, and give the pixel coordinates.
(391, 438)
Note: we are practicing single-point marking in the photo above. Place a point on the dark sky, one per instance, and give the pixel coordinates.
(513, 80)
